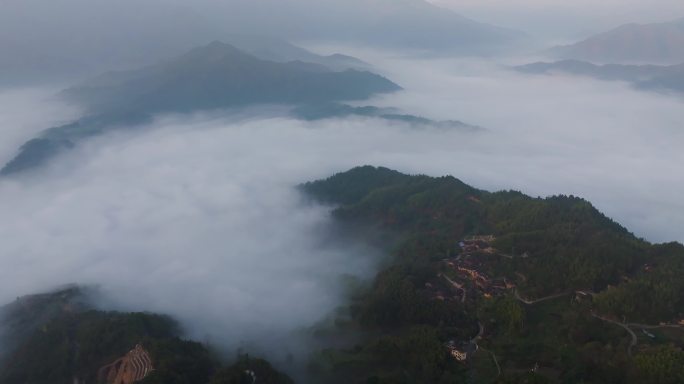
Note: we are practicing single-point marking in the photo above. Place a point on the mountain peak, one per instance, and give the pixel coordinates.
(215, 51)
(210, 77)
(657, 43)
(219, 46)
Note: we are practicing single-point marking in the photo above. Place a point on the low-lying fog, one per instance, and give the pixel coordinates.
(197, 216)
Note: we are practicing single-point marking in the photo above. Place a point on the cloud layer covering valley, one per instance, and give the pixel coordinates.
(197, 216)
(616, 146)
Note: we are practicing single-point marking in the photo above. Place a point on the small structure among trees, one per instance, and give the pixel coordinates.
(133, 367)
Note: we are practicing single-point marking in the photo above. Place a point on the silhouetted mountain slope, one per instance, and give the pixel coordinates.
(648, 77)
(62, 340)
(336, 110)
(471, 276)
(352, 186)
(660, 43)
(50, 41)
(27, 314)
(398, 24)
(214, 76)
(560, 230)
(217, 76)
(274, 49)
(515, 276)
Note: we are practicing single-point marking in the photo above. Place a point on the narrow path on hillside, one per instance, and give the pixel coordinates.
(496, 361)
(535, 301)
(646, 326)
(634, 341)
(458, 287)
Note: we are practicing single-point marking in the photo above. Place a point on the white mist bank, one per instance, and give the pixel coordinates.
(196, 220)
(197, 217)
(25, 112)
(617, 147)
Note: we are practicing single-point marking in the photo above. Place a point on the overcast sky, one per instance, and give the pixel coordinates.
(62, 40)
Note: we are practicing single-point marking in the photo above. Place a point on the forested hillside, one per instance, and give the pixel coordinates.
(479, 287)
(57, 338)
(529, 289)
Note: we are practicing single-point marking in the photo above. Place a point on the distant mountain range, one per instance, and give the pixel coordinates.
(322, 111)
(281, 51)
(660, 43)
(647, 77)
(214, 76)
(419, 25)
(219, 75)
(37, 39)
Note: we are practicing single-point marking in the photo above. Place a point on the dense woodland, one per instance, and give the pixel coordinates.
(550, 247)
(60, 340)
(586, 301)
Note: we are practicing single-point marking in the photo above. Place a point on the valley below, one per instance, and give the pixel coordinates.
(358, 192)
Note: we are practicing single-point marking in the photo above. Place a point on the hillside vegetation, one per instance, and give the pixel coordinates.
(552, 284)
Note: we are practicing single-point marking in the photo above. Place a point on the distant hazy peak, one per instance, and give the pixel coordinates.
(279, 50)
(656, 43)
(216, 51)
(210, 77)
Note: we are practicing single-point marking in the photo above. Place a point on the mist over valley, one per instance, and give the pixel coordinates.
(312, 196)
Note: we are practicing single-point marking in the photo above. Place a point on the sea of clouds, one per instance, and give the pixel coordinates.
(198, 216)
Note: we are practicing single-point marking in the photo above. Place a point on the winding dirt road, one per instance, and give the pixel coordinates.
(531, 302)
(634, 341)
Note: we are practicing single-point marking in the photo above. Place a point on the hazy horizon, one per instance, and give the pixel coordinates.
(68, 40)
(566, 22)
(194, 211)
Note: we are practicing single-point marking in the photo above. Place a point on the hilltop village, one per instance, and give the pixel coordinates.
(466, 275)
(466, 278)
